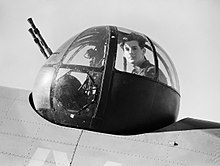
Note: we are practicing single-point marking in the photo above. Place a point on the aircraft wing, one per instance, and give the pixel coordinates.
(29, 140)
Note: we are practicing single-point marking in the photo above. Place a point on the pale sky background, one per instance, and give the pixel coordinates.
(189, 31)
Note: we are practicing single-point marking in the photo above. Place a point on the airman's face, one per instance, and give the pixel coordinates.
(133, 53)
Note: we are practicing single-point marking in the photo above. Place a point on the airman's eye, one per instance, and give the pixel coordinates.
(134, 48)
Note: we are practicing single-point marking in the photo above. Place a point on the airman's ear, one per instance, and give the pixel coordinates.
(144, 50)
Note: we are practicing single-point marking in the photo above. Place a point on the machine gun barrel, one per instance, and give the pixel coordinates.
(36, 40)
(41, 39)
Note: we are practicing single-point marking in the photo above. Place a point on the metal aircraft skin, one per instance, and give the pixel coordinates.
(100, 114)
(29, 140)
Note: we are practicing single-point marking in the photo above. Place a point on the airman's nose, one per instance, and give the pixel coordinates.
(131, 52)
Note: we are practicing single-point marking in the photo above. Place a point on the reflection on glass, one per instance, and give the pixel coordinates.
(41, 91)
(76, 92)
(167, 66)
(78, 80)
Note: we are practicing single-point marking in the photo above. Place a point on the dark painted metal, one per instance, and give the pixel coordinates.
(138, 104)
(190, 124)
(107, 79)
